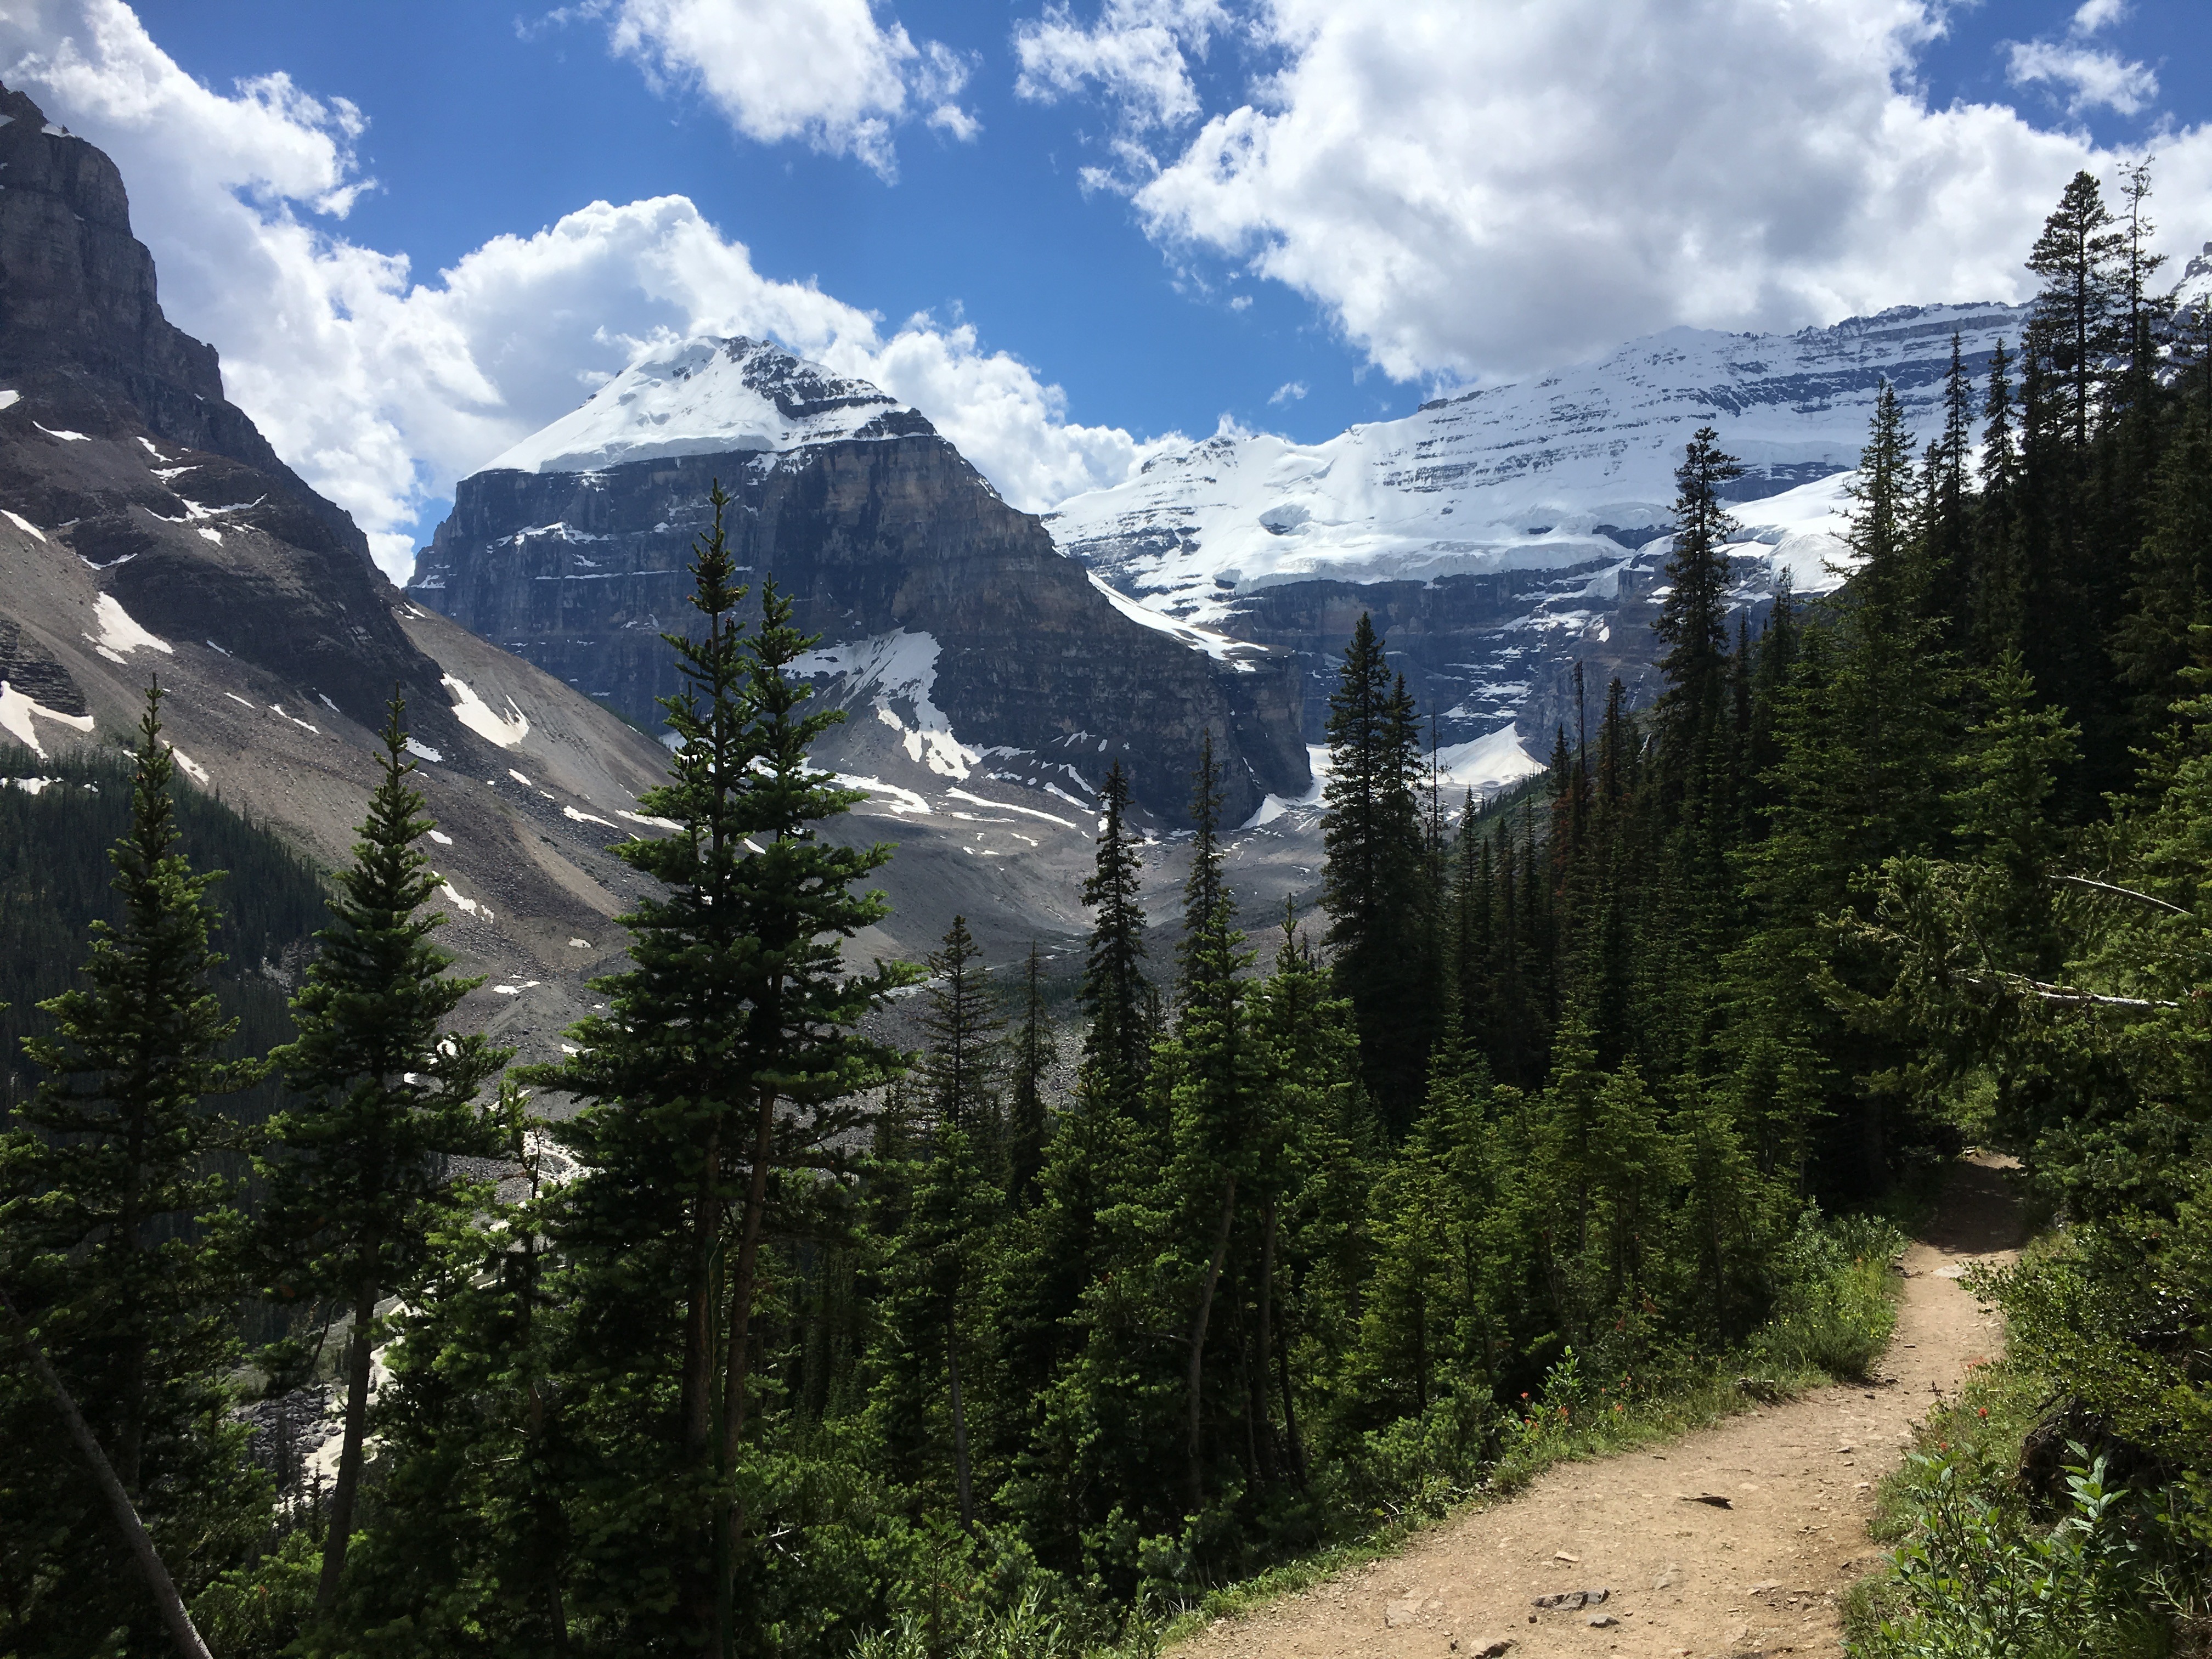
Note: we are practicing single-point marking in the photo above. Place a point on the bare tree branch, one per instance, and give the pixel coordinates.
(172, 1605)
(2061, 995)
(2124, 892)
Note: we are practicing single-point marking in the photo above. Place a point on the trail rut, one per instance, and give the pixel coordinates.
(1762, 1576)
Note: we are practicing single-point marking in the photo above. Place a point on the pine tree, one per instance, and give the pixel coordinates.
(1950, 525)
(1693, 620)
(1114, 991)
(1863, 732)
(1472, 881)
(480, 1460)
(2078, 325)
(2170, 595)
(1313, 1166)
(1210, 1064)
(940, 1259)
(729, 1052)
(1998, 588)
(961, 1067)
(356, 1181)
(1035, 1052)
(105, 1202)
(1374, 881)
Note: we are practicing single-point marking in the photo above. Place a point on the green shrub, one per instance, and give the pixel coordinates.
(1833, 1308)
(1971, 1582)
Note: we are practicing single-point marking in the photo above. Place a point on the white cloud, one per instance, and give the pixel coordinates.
(1134, 54)
(383, 391)
(2088, 78)
(1482, 189)
(1289, 392)
(2094, 14)
(825, 71)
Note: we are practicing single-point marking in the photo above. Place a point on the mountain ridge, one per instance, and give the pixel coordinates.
(1505, 536)
(876, 528)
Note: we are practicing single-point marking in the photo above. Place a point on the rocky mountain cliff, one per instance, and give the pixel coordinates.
(1502, 536)
(945, 615)
(147, 529)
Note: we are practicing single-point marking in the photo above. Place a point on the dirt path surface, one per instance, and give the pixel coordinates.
(1761, 1576)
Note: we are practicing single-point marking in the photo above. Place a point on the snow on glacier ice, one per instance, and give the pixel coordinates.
(1567, 469)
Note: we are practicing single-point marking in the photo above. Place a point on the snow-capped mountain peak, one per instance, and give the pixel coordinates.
(1511, 541)
(1539, 475)
(709, 396)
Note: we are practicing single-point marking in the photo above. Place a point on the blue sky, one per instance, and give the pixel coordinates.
(1340, 273)
(476, 129)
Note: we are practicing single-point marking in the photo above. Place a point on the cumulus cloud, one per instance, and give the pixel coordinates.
(1135, 54)
(827, 72)
(1472, 195)
(2087, 77)
(1289, 392)
(382, 389)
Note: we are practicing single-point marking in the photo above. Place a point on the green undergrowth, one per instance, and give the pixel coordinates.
(1988, 1563)
(1833, 1311)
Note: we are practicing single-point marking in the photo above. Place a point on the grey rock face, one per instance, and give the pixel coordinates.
(117, 437)
(885, 533)
(80, 322)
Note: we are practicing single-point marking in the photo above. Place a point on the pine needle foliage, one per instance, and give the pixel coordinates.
(356, 1173)
(109, 1211)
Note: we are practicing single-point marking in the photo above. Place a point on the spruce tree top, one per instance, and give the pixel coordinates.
(388, 1095)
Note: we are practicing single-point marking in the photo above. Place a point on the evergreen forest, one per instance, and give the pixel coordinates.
(1566, 1117)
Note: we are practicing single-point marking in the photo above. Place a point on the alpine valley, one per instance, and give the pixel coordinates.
(992, 663)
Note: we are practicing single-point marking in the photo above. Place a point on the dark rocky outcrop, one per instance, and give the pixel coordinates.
(117, 439)
(580, 572)
(80, 322)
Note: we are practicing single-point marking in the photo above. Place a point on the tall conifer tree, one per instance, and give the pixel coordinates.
(105, 1196)
(356, 1182)
(1374, 883)
(1115, 992)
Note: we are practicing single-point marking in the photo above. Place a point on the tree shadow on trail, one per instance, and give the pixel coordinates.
(1980, 1212)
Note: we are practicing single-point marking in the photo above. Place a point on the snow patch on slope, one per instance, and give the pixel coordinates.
(706, 396)
(471, 711)
(1237, 654)
(466, 906)
(1274, 806)
(1488, 763)
(16, 713)
(891, 669)
(118, 635)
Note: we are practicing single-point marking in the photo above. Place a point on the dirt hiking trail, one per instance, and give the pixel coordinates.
(1761, 1576)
